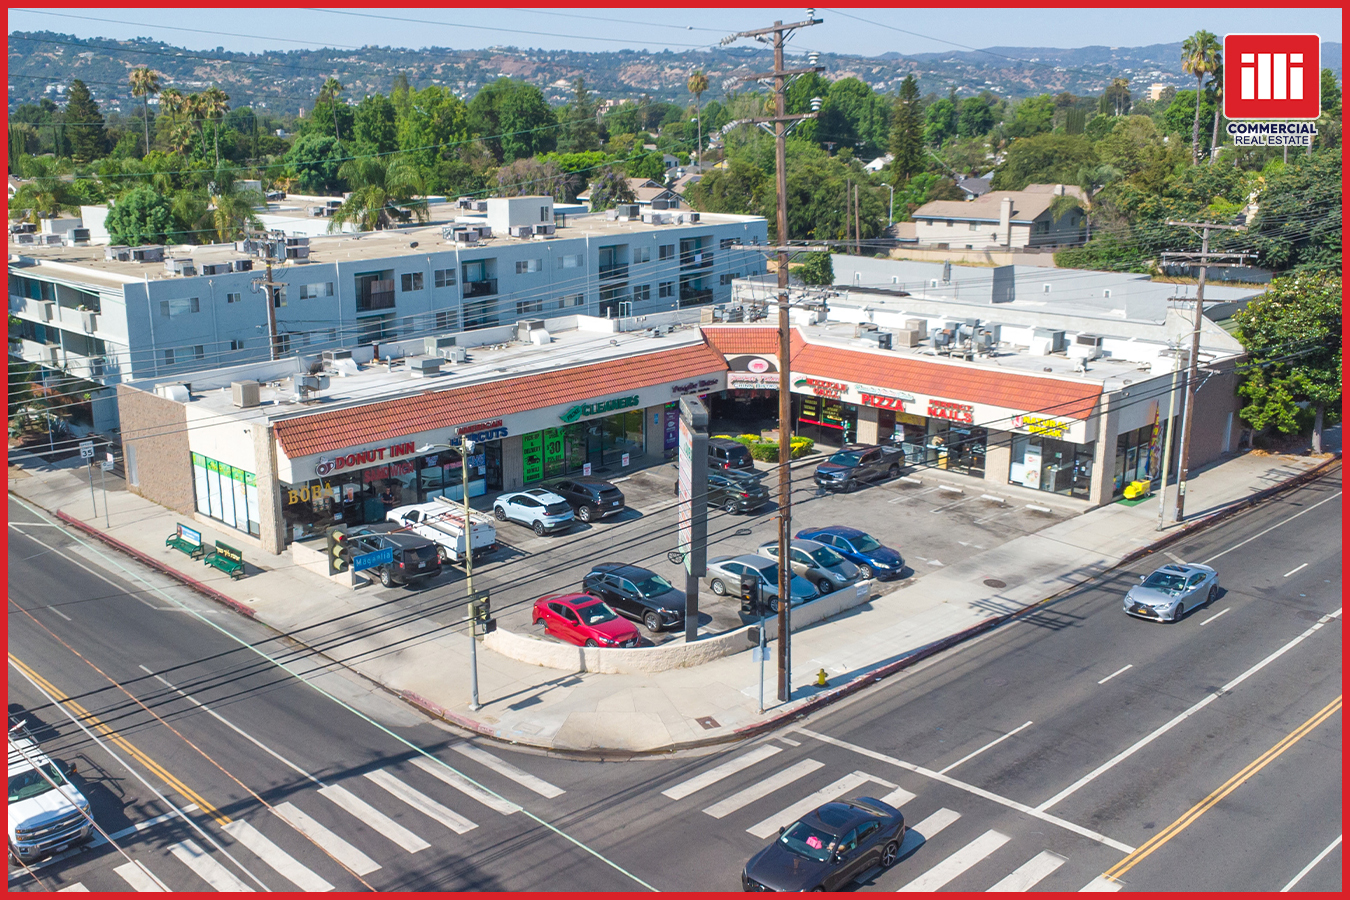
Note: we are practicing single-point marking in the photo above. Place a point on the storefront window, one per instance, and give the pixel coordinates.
(1137, 456)
(1045, 464)
(554, 452)
(226, 493)
(956, 447)
(826, 420)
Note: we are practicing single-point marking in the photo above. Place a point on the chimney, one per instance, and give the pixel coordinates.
(1059, 190)
(1005, 216)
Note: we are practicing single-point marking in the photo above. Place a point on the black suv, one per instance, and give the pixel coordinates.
(736, 492)
(590, 498)
(726, 454)
(415, 558)
(859, 462)
(638, 593)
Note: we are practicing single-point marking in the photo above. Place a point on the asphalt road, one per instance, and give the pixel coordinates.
(1078, 741)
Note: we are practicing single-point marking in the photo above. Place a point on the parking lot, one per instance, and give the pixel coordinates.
(928, 522)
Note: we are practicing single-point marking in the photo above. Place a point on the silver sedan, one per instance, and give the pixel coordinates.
(817, 563)
(1167, 593)
(724, 577)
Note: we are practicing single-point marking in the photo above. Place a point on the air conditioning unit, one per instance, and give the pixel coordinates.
(1045, 341)
(51, 240)
(329, 356)
(943, 337)
(23, 228)
(1086, 347)
(456, 355)
(466, 236)
(628, 211)
(917, 325)
(909, 337)
(424, 366)
(179, 266)
(548, 229)
(297, 253)
(246, 394)
(243, 265)
(26, 239)
(315, 211)
(77, 236)
(217, 268)
(148, 253)
(523, 231)
(436, 346)
(693, 217)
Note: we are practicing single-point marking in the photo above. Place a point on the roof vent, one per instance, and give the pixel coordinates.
(424, 366)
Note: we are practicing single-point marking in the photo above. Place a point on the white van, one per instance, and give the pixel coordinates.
(442, 521)
(47, 813)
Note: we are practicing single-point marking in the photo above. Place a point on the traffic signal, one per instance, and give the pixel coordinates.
(339, 553)
(750, 594)
(480, 607)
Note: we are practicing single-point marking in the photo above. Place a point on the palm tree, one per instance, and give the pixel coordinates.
(1091, 180)
(379, 187)
(233, 209)
(698, 83)
(329, 94)
(46, 195)
(1201, 55)
(144, 82)
(1216, 85)
(175, 104)
(213, 104)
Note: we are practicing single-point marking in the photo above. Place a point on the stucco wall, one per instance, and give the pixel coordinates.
(155, 430)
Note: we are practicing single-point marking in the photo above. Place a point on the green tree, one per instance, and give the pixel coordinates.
(232, 209)
(1201, 55)
(580, 132)
(1182, 113)
(45, 195)
(1033, 116)
(433, 124)
(513, 120)
(940, 121)
(380, 189)
(213, 105)
(906, 141)
(144, 83)
(1043, 159)
(88, 137)
(316, 159)
(738, 189)
(23, 139)
(1091, 180)
(140, 216)
(535, 176)
(976, 117)
(698, 85)
(1298, 223)
(1292, 335)
(817, 270)
(374, 125)
(1330, 94)
(609, 188)
(328, 99)
(1116, 98)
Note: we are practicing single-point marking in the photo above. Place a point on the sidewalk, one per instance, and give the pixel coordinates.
(428, 664)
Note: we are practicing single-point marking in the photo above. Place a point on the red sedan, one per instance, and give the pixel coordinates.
(584, 620)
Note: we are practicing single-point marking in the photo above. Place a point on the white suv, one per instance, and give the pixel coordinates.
(47, 813)
(541, 509)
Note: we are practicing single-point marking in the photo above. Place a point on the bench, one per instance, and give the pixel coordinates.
(186, 540)
(227, 559)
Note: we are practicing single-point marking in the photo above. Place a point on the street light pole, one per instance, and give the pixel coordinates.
(466, 448)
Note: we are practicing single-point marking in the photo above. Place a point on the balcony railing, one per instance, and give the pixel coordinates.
(616, 271)
(698, 259)
(374, 300)
(480, 288)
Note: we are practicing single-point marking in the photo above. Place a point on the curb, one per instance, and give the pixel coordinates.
(158, 566)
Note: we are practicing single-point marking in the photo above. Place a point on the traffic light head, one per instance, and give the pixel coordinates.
(339, 552)
(750, 593)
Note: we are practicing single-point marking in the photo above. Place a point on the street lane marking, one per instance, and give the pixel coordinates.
(1309, 867)
(1030, 873)
(190, 854)
(898, 797)
(1224, 790)
(789, 741)
(763, 788)
(421, 802)
(77, 886)
(1101, 885)
(790, 814)
(139, 877)
(282, 863)
(524, 779)
(1159, 732)
(1115, 673)
(1271, 528)
(971, 756)
(970, 789)
(917, 835)
(947, 870)
(714, 775)
(372, 817)
(335, 846)
(1215, 616)
(59, 613)
(465, 786)
(1173, 557)
(1292, 571)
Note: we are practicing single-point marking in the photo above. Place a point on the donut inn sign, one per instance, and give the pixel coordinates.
(329, 464)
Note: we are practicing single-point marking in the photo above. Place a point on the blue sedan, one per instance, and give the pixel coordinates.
(873, 559)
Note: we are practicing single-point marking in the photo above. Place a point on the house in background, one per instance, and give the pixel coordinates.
(647, 193)
(1001, 220)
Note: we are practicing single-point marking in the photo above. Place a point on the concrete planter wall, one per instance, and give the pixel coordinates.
(674, 655)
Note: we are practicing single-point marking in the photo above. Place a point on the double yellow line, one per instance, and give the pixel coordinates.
(1224, 790)
(120, 741)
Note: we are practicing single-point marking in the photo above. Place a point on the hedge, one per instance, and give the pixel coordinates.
(767, 451)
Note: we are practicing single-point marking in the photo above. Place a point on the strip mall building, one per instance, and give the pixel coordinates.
(279, 450)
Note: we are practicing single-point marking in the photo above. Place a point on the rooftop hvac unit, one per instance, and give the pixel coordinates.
(545, 230)
(943, 337)
(467, 236)
(335, 355)
(436, 346)
(480, 205)
(77, 236)
(299, 241)
(628, 211)
(864, 327)
(1045, 341)
(315, 211)
(464, 203)
(882, 338)
(693, 217)
(655, 218)
(424, 366)
(119, 252)
(917, 325)
(525, 326)
(523, 231)
(23, 228)
(297, 253)
(909, 337)
(148, 253)
(1086, 347)
(242, 265)
(456, 355)
(485, 231)
(51, 240)
(217, 268)
(28, 239)
(182, 266)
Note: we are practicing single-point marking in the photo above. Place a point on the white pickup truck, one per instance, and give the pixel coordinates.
(442, 521)
(47, 813)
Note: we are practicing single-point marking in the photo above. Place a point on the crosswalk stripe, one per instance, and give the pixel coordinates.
(524, 779)
(806, 804)
(421, 802)
(342, 851)
(1102, 884)
(190, 854)
(916, 835)
(714, 775)
(943, 873)
(763, 788)
(466, 787)
(1030, 873)
(374, 818)
(282, 863)
(898, 797)
(139, 877)
(77, 886)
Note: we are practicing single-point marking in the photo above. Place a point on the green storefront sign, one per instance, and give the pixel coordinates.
(582, 410)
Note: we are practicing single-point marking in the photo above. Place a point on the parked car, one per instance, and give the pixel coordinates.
(416, 559)
(1166, 593)
(724, 454)
(541, 509)
(442, 522)
(857, 463)
(821, 565)
(47, 813)
(828, 848)
(724, 577)
(590, 498)
(873, 559)
(735, 491)
(638, 593)
(584, 620)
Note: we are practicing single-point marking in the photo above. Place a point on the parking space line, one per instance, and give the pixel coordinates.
(1215, 616)
(971, 756)
(1117, 672)
(1292, 571)
(950, 505)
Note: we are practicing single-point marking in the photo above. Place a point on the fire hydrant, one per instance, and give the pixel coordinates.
(821, 680)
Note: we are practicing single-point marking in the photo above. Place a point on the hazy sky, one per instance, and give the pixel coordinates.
(675, 28)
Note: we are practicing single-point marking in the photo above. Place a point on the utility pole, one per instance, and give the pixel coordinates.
(780, 122)
(1167, 441)
(1206, 260)
(269, 287)
(857, 223)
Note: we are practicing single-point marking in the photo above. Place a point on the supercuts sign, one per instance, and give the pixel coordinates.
(361, 458)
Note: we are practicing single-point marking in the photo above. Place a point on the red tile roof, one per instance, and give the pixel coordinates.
(393, 419)
(974, 384)
(733, 340)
